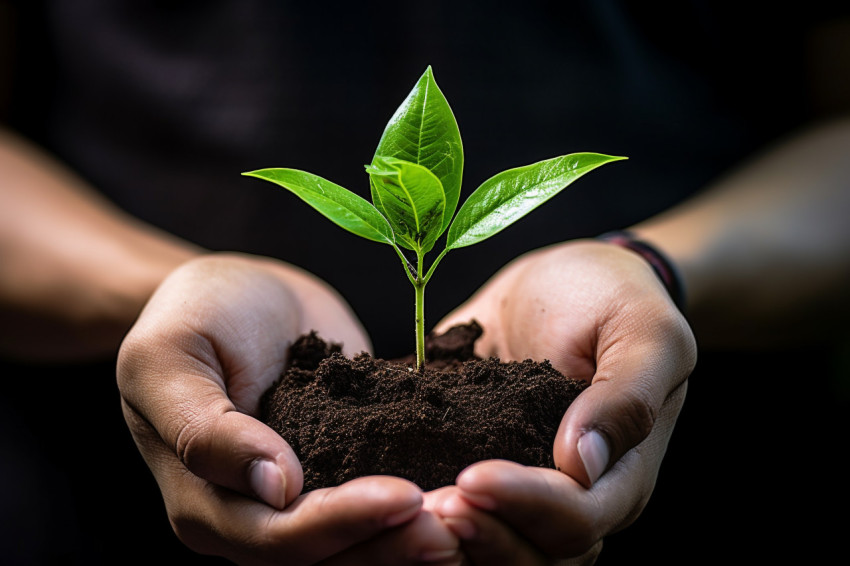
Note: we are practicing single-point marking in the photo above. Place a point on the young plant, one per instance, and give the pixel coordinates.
(415, 180)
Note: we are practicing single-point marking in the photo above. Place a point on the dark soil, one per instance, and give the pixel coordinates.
(347, 418)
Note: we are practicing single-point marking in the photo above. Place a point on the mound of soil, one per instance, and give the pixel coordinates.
(347, 418)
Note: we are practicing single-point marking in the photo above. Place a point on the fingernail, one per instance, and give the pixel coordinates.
(268, 482)
(404, 516)
(463, 529)
(594, 454)
(480, 500)
(451, 510)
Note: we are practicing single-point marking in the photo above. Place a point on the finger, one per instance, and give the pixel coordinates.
(423, 540)
(213, 520)
(233, 451)
(484, 538)
(327, 522)
(335, 518)
(641, 360)
(316, 526)
(554, 511)
(548, 509)
(195, 418)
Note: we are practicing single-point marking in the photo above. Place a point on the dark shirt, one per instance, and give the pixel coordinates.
(161, 105)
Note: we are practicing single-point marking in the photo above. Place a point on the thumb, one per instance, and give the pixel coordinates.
(209, 342)
(635, 389)
(236, 451)
(220, 445)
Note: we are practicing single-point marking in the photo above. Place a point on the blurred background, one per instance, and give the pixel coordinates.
(161, 106)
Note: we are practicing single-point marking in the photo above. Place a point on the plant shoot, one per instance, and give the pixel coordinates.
(415, 181)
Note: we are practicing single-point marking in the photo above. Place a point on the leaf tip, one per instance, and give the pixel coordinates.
(428, 75)
(612, 158)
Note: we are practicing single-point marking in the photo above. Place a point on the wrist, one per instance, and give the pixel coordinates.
(664, 268)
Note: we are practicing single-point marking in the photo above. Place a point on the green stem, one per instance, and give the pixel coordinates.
(405, 263)
(420, 327)
(434, 265)
(419, 286)
(419, 282)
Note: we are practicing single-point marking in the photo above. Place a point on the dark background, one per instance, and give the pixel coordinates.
(162, 104)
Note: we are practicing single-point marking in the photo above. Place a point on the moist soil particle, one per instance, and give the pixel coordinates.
(352, 417)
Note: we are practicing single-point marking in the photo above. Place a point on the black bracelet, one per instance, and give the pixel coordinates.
(661, 265)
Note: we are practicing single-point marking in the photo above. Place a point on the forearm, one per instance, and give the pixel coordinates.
(765, 253)
(75, 270)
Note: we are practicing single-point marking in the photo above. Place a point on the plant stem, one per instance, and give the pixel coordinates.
(434, 265)
(420, 326)
(409, 270)
(419, 286)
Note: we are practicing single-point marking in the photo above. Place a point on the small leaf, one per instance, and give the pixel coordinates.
(508, 196)
(336, 203)
(423, 131)
(411, 198)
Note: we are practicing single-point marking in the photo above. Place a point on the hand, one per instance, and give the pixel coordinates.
(598, 313)
(191, 372)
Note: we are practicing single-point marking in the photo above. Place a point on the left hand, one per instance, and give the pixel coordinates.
(191, 373)
(598, 313)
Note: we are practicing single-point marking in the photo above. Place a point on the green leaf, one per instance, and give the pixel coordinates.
(423, 131)
(508, 196)
(336, 203)
(412, 199)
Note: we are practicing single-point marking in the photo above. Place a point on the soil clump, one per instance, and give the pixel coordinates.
(352, 417)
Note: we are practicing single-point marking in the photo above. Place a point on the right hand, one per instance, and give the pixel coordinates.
(211, 340)
(598, 313)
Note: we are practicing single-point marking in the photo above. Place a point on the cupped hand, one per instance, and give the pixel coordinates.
(598, 313)
(191, 371)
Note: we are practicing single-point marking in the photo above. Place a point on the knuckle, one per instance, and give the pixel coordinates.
(630, 423)
(636, 417)
(131, 357)
(328, 505)
(681, 340)
(190, 442)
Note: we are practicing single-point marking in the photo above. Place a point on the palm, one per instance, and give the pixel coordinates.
(191, 372)
(597, 312)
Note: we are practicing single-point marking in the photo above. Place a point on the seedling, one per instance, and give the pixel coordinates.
(415, 180)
